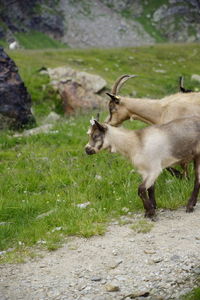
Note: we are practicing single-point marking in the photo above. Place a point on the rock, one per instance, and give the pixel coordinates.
(114, 264)
(5, 223)
(140, 294)
(157, 260)
(77, 98)
(37, 15)
(83, 205)
(98, 177)
(78, 90)
(51, 118)
(48, 213)
(175, 257)
(159, 13)
(94, 83)
(96, 278)
(159, 71)
(195, 77)
(197, 271)
(41, 129)
(149, 251)
(15, 101)
(112, 287)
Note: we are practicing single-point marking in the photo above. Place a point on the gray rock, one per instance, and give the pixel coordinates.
(15, 101)
(195, 77)
(52, 118)
(96, 278)
(41, 129)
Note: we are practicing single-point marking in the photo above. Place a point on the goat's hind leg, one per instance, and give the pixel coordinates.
(193, 199)
(174, 172)
(148, 205)
(147, 185)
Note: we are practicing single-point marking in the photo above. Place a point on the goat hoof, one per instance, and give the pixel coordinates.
(150, 214)
(189, 209)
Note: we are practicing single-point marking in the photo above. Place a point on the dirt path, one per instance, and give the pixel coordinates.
(121, 264)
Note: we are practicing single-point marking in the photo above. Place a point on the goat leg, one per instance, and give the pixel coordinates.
(148, 205)
(151, 193)
(174, 172)
(193, 199)
(184, 167)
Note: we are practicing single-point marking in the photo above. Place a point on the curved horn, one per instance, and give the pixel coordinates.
(119, 82)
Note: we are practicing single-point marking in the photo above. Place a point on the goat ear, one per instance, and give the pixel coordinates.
(100, 127)
(98, 116)
(116, 99)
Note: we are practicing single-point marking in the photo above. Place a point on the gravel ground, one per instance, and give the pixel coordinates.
(122, 264)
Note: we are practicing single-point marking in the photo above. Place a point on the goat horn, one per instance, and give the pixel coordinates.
(119, 82)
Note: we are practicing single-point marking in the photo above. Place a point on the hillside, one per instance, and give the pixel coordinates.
(107, 23)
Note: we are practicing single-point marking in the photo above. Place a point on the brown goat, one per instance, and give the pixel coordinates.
(150, 111)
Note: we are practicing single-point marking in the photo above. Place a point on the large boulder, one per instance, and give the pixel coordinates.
(79, 91)
(15, 101)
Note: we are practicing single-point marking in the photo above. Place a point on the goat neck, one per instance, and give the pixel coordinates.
(122, 141)
(143, 109)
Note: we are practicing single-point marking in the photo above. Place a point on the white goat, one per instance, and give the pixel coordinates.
(151, 150)
(14, 45)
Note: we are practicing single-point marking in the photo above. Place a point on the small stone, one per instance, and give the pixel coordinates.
(46, 214)
(52, 118)
(196, 77)
(112, 287)
(98, 177)
(114, 264)
(140, 294)
(157, 260)
(81, 287)
(148, 251)
(125, 209)
(83, 205)
(114, 252)
(96, 279)
(175, 257)
(197, 271)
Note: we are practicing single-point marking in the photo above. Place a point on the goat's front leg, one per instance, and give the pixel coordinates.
(193, 199)
(148, 205)
(151, 193)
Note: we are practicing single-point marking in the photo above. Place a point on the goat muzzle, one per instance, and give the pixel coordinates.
(89, 150)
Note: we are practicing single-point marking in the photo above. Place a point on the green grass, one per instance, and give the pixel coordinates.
(142, 226)
(175, 59)
(194, 295)
(50, 173)
(35, 40)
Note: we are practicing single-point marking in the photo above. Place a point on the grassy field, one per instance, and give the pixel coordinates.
(44, 178)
